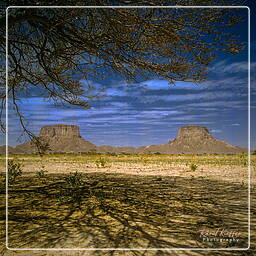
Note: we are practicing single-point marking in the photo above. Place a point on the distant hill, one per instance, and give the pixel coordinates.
(193, 140)
(63, 138)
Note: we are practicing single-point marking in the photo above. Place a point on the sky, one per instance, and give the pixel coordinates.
(150, 112)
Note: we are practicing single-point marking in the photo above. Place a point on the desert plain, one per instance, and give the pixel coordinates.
(166, 204)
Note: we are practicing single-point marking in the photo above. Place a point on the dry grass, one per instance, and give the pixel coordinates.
(232, 168)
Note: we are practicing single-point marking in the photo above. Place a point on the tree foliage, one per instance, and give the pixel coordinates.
(52, 49)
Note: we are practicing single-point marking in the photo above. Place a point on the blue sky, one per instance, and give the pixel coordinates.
(150, 112)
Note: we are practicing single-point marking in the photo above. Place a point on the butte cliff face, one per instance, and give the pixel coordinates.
(190, 140)
(193, 140)
(60, 131)
(61, 138)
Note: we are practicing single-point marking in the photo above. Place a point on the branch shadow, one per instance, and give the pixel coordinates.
(125, 211)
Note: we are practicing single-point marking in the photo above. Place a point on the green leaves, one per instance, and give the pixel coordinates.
(193, 167)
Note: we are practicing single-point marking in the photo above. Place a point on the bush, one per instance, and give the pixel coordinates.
(74, 193)
(41, 174)
(111, 154)
(244, 159)
(193, 167)
(101, 162)
(14, 170)
(2, 183)
(74, 179)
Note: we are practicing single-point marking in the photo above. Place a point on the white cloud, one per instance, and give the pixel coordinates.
(220, 103)
(223, 67)
(165, 85)
(187, 97)
(120, 104)
(115, 92)
(216, 131)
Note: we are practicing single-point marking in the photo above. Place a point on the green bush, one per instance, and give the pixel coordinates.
(74, 192)
(193, 167)
(244, 159)
(101, 162)
(2, 183)
(111, 154)
(14, 170)
(74, 179)
(41, 174)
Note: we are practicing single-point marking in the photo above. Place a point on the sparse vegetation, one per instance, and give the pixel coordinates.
(193, 167)
(14, 170)
(116, 202)
(74, 179)
(104, 160)
(2, 183)
(117, 205)
(101, 162)
(40, 174)
(244, 159)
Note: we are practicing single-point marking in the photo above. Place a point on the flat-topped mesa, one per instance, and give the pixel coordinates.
(195, 132)
(60, 130)
(62, 138)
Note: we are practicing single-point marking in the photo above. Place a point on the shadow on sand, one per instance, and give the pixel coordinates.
(125, 211)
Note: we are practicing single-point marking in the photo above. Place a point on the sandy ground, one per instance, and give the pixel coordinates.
(233, 174)
(237, 174)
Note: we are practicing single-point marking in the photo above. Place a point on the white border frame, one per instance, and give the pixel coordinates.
(249, 135)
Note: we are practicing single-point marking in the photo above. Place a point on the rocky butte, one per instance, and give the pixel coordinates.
(194, 140)
(63, 138)
(60, 131)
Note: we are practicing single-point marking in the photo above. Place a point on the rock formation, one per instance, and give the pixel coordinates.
(193, 140)
(11, 150)
(66, 139)
(60, 131)
(60, 138)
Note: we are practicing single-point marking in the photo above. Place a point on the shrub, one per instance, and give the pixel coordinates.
(14, 170)
(193, 167)
(144, 160)
(101, 162)
(2, 183)
(41, 174)
(74, 179)
(244, 160)
(111, 154)
(74, 193)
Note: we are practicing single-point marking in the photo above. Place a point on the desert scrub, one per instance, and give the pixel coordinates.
(41, 175)
(144, 160)
(2, 183)
(193, 167)
(101, 162)
(243, 160)
(14, 170)
(74, 179)
(72, 191)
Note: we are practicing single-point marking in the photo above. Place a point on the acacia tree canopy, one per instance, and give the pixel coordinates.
(52, 49)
